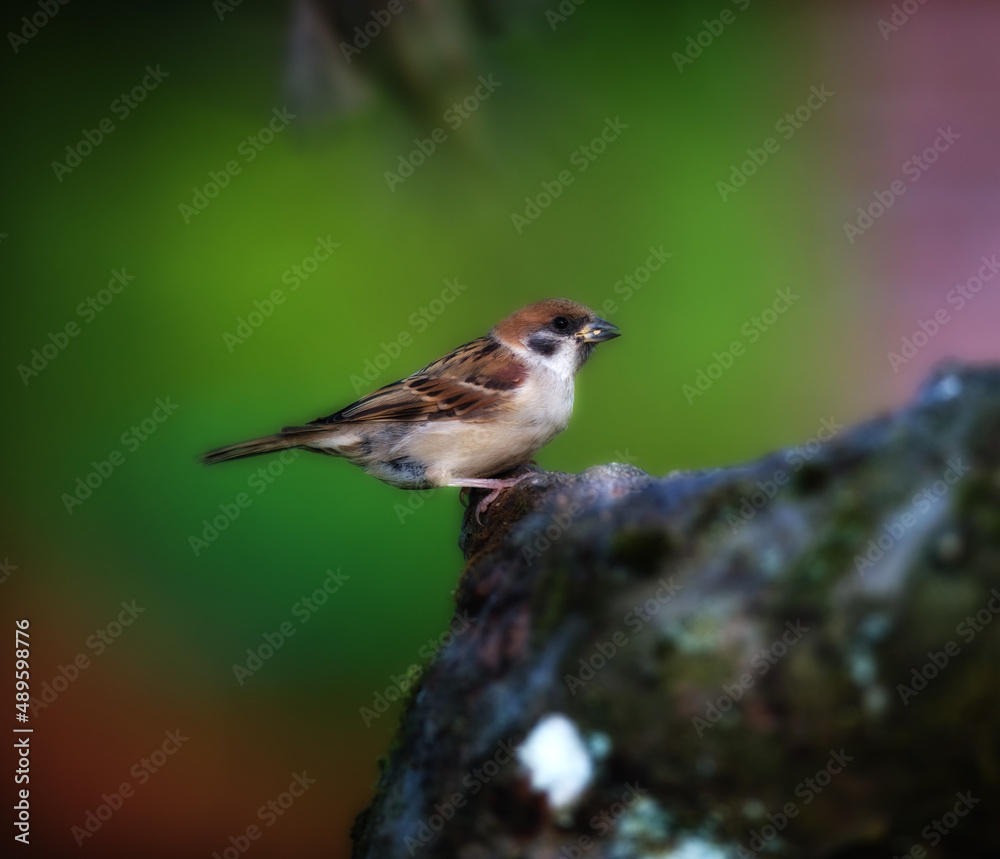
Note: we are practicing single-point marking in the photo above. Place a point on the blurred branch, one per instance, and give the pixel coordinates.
(424, 53)
(794, 657)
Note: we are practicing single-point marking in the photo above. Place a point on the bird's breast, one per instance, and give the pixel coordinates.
(513, 434)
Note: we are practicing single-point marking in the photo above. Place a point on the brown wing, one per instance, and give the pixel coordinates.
(466, 385)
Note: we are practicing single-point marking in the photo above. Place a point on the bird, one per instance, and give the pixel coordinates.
(480, 411)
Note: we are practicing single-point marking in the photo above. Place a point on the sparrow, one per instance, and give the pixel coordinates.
(480, 411)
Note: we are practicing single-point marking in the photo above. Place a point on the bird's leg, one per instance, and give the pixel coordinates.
(495, 483)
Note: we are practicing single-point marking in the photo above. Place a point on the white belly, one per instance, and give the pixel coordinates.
(457, 449)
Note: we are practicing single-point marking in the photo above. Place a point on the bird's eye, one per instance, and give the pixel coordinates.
(560, 323)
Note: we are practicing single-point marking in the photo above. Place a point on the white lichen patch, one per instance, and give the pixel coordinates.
(557, 761)
(697, 848)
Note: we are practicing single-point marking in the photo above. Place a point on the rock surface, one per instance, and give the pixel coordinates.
(795, 658)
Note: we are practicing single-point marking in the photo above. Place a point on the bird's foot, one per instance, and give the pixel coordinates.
(496, 484)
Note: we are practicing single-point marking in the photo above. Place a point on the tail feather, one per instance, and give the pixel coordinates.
(256, 446)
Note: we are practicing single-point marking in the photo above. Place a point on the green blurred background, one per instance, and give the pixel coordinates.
(163, 337)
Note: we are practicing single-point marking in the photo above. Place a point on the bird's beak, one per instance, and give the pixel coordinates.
(598, 331)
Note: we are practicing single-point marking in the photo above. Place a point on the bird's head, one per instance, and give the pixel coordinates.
(556, 333)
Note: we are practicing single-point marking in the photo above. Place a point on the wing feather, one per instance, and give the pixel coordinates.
(467, 385)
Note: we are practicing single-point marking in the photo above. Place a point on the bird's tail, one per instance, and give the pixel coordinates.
(257, 446)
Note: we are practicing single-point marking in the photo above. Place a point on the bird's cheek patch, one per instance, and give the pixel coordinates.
(542, 345)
